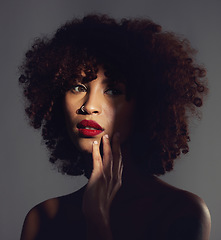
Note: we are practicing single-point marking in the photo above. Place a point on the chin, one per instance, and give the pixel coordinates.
(85, 144)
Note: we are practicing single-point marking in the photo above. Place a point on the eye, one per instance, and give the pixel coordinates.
(79, 88)
(114, 91)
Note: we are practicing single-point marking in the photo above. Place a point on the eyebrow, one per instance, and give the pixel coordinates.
(111, 81)
(105, 80)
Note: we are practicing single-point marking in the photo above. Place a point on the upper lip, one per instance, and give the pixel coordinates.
(89, 123)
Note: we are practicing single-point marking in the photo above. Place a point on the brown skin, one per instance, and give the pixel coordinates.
(152, 213)
(102, 104)
(115, 205)
(104, 183)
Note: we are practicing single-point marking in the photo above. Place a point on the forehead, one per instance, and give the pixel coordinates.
(103, 75)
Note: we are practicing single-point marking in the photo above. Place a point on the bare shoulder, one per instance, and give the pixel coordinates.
(185, 202)
(43, 213)
(37, 215)
(190, 218)
(191, 203)
(186, 215)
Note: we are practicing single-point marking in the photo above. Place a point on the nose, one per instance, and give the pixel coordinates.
(92, 104)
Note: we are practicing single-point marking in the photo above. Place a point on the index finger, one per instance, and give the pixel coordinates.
(97, 160)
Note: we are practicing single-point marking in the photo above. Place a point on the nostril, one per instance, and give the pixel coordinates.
(95, 111)
(82, 110)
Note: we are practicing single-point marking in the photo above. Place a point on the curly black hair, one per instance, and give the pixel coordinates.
(159, 71)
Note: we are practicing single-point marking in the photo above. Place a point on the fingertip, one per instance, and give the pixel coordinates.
(96, 155)
(94, 147)
(106, 136)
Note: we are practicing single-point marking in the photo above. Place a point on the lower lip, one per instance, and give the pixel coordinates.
(89, 132)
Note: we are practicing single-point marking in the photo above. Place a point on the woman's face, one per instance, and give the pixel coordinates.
(97, 108)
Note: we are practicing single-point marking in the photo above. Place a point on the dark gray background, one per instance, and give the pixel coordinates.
(26, 177)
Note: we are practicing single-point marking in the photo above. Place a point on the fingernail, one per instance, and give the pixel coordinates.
(106, 136)
(95, 142)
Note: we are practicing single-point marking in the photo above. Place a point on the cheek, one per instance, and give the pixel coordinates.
(110, 119)
(70, 106)
(124, 121)
(124, 125)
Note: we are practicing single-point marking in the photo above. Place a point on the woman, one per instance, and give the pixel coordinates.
(113, 101)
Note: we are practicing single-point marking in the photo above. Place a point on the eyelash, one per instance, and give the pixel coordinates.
(115, 91)
(73, 89)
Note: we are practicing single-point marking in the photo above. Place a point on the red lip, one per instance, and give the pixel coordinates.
(89, 123)
(89, 132)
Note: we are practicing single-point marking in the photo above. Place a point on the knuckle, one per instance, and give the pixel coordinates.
(102, 179)
(118, 185)
(116, 180)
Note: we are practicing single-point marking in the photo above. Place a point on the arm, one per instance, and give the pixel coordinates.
(102, 187)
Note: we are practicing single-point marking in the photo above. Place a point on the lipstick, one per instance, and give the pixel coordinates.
(89, 128)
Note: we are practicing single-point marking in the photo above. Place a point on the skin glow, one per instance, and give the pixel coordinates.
(103, 103)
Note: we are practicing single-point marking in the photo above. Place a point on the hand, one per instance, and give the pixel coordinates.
(104, 182)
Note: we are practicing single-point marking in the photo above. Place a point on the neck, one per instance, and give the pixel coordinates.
(132, 177)
(133, 180)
